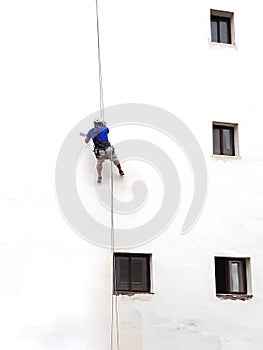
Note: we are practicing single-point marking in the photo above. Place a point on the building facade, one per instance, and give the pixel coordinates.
(201, 62)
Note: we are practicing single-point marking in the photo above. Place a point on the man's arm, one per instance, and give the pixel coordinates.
(87, 139)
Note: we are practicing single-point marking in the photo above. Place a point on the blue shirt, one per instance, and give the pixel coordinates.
(102, 135)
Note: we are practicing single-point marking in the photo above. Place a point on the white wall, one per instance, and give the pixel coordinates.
(55, 287)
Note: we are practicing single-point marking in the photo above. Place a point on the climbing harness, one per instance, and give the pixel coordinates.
(98, 145)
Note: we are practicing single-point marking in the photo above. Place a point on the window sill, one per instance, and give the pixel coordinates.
(213, 44)
(130, 294)
(242, 297)
(224, 157)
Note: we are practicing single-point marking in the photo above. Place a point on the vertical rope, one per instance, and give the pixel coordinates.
(112, 208)
(99, 62)
(114, 265)
(112, 255)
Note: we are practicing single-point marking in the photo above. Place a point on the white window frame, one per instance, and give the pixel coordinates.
(236, 140)
(226, 14)
(234, 296)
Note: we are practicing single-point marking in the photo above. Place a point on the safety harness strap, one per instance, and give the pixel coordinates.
(98, 145)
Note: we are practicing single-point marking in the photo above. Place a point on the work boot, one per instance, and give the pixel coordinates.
(99, 179)
(121, 172)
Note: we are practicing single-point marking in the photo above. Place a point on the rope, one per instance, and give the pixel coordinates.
(112, 254)
(114, 267)
(113, 307)
(99, 62)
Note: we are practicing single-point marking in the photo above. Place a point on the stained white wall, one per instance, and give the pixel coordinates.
(55, 287)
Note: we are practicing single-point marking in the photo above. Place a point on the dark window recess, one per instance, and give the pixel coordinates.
(223, 140)
(230, 276)
(132, 272)
(221, 29)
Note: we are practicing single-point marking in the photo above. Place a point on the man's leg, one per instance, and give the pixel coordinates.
(99, 169)
(116, 161)
(100, 160)
(118, 165)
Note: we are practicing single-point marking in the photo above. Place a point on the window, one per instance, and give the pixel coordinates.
(221, 27)
(231, 275)
(132, 272)
(225, 140)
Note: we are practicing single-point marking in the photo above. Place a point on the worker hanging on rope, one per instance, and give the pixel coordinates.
(102, 147)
